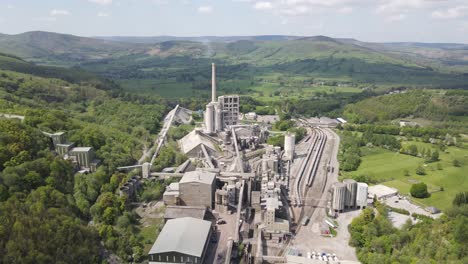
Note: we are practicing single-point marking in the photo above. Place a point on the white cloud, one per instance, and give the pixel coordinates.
(455, 12)
(101, 2)
(205, 9)
(59, 12)
(345, 10)
(10, 6)
(102, 14)
(394, 18)
(46, 19)
(263, 5)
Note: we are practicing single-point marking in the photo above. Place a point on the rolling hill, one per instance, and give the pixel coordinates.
(60, 49)
(151, 61)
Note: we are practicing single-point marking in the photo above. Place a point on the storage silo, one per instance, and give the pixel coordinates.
(351, 186)
(339, 196)
(289, 144)
(209, 119)
(218, 112)
(361, 195)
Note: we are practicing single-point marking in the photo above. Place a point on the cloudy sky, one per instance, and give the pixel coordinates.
(368, 20)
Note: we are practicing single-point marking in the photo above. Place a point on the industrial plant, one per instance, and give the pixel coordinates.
(236, 189)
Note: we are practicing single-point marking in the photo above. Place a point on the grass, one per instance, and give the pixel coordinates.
(389, 168)
(149, 231)
(169, 89)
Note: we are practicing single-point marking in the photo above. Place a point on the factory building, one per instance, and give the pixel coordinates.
(182, 240)
(197, 188)
(58, 138)
(64, 149)
(221, 112)
(351, 186)
(361, 195)
(195, 143)
(339, 196)
(230, 109)
(84, 157)
(289, 143)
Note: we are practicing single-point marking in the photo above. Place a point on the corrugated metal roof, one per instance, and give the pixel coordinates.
(186, 235)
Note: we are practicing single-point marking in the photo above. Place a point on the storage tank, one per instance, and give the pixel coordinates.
(209, 119)
(289, 144)
(361, 195)
(351, 186)
(218, 112)
(339, 196)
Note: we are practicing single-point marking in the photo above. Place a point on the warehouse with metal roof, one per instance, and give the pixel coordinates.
(182, 240)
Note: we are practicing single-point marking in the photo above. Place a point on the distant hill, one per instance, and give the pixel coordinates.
(16, 64)
(176, 59)
(157, 39)
(62, 49)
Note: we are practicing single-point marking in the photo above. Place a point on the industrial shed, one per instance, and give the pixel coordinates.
(182, 240)
(193, 143)
(382, 191)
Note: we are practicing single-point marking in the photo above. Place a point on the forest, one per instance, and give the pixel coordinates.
(377, 241)
(49, 214)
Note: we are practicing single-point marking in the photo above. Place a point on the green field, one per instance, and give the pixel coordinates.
(389, 168)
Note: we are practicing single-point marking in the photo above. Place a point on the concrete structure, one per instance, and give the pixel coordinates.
(58, 138)
(181, 115)
(64, 149)
(382, 191)
(230, 109)
(289, 144)
(171, 195)
(173, 212)
(404, 123)
(351, 186)
(339, 194)
(250, 116)
(197, 188)
(182, 240)
(210, 119)
(361, 195)
(191, 144)
(84, 156)
(221, 112)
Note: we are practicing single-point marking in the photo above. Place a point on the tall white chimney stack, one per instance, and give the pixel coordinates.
(213, 82)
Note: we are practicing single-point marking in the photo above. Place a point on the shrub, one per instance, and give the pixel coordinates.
(419, 190)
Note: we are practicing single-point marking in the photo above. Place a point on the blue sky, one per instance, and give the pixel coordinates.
(367, 20)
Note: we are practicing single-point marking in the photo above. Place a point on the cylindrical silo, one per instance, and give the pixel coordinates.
(351, 186)
(339, 196)
(218, 112)
(289, 144)
(361, 195)
(209, 119)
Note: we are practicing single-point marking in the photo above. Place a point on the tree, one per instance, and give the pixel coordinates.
(460, 199)
(406, 172)
(435, 156)
(420, 170)
(419, 190)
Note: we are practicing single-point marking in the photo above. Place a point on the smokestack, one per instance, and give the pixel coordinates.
(213, 82)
